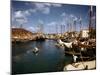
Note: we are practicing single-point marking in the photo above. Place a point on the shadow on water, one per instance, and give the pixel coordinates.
(49, 58)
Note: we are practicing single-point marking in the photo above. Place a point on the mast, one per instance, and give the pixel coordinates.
(67, 27)
(90, 18)
(91, 22)
(80, 23)
(61, 30)
(40, 28)
(56, 29)
(74, 27)
(21, 26)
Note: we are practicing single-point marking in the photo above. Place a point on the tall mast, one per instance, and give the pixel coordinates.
(21, 26)
(61, 30)
(74, 27)
(80, 23)
(90, 17)
(56, 29)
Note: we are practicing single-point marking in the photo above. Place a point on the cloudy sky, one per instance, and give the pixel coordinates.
(50, 16)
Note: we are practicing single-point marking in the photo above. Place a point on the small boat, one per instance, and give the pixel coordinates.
(35, 50)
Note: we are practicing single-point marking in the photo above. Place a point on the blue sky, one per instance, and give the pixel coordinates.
(50, 16)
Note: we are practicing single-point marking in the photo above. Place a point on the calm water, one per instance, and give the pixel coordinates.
(49, 58)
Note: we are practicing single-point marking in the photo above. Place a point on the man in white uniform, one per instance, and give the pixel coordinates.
(74, 58)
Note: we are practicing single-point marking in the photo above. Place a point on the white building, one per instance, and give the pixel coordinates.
(85, 33)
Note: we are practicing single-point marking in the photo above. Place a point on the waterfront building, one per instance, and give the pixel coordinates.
(85, 33)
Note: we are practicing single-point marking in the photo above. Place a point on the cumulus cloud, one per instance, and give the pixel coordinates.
(21, 20)
(69, 18)
(80, 19)
(20, 16)
(32, 29)
(46, 10)
(26, 13)
(39, 5)
(40, 21)
(64, 14)
(56, 5)
(32, 10)
(47, 4)
(42, 7)
(63, 22)
(19, 13)
(13, 26)
(73, 17)
(65, 19)
(52, 23)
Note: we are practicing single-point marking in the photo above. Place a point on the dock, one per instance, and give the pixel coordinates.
(81, 66)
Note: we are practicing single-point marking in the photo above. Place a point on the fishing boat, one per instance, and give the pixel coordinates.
(67, 44)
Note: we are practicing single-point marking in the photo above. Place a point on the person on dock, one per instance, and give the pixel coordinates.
(86, 67)
(74, 58)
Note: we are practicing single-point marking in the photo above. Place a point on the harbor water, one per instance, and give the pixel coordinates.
(50, 58)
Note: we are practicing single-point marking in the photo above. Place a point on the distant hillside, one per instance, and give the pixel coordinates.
(20, 34)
